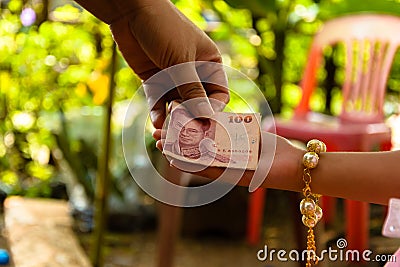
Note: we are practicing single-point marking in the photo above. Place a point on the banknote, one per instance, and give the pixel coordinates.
(225, 140)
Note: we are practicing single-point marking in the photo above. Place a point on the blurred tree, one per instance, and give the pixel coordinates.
(53, 59)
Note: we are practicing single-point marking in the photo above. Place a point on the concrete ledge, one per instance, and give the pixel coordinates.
(39, 234)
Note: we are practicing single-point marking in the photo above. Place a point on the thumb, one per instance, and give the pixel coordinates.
(191, 90)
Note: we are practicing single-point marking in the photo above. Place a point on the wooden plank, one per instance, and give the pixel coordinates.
(39, 233)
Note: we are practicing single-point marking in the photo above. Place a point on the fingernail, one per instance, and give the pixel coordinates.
(203, 109)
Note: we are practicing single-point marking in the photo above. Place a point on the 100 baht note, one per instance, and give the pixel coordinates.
(225, 140)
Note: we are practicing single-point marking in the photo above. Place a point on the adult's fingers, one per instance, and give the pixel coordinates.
(159, 89)
(159, 145)
(190, 89)
(158, 110)
(201, 102)
(158, 114)
(218, 99)
(157, 134)
(215, 83)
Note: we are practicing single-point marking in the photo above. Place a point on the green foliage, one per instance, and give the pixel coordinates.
(54, 66)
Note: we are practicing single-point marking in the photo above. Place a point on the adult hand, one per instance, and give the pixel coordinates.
(154, 35)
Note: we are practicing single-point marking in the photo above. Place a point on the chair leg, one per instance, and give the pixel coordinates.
(255, 216)
(168, 231)
(169, 222)
(357, 225)
(329, 209)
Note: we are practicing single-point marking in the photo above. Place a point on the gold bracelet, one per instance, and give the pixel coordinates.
(309, 207)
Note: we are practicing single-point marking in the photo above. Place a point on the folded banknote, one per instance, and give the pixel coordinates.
(225, 140)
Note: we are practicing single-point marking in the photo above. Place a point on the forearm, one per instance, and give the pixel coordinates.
(372, 177)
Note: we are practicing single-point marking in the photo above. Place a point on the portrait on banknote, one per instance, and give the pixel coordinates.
(192, 138)
(227, 139)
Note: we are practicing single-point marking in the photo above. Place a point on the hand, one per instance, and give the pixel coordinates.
(155, 36)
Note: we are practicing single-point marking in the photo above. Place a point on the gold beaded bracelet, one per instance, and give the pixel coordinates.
(309, 207)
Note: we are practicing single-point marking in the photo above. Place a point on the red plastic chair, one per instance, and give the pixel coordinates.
(371, 42)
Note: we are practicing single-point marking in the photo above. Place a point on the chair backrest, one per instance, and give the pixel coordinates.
(371, 42)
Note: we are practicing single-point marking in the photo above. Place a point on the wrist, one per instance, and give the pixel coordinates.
(297, 169)
(287, 166)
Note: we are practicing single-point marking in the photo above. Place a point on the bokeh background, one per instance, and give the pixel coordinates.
(60, 74)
